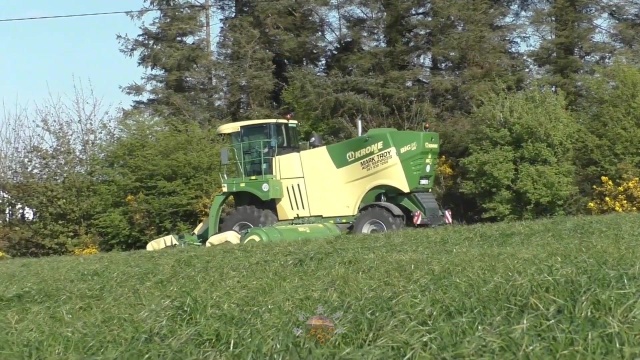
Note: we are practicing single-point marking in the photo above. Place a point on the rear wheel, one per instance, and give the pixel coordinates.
(243, 218)
(376, 220)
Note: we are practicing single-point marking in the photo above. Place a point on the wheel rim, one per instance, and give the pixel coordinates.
(373, 226)
(242, 227)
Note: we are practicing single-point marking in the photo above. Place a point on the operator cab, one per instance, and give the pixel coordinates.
(254, 144)
(281, 137)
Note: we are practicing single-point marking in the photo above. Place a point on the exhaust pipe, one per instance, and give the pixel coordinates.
(359, 126)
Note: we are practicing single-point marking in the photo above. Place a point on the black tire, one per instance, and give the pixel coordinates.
(376, 219)
(243, 218)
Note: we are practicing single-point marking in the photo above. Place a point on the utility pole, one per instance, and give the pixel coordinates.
(207, 20)
(207, 23)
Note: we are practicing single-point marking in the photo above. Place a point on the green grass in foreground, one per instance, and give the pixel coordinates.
(554, 288)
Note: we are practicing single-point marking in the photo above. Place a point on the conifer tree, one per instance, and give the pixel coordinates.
(567, 42)
(178, 65)
(260, 43)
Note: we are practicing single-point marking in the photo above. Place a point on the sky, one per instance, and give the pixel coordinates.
(40, 57)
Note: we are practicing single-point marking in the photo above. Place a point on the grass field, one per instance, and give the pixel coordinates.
(561, 288)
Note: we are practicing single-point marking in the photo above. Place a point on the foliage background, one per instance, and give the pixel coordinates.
(535, 102)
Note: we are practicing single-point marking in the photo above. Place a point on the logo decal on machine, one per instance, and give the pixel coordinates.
(374, 148)
(376, 161)
(406, 148)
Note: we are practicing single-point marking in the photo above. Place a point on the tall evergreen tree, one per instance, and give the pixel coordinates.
(625, 30)
(567, 46)
(400, 63)
(469, 51)
(261, 41)
(173, 51)
(371, 70)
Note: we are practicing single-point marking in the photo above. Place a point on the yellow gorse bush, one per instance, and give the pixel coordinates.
(86, 250)
(445, 176)
(609, 197)
(445, 171)
(445, 167)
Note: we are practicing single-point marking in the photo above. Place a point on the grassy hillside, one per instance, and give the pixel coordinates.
(567, 287)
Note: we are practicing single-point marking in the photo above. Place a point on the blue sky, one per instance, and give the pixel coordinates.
(42, 56)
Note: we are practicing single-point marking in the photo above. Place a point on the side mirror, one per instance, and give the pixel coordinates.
(224, 156)
(315, 141)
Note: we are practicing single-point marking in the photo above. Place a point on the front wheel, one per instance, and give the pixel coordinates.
(376, 220)
(243, 218)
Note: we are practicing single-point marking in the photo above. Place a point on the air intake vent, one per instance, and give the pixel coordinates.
(296, 200)
(417, 165)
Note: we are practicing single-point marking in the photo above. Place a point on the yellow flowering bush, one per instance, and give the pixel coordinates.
(4, 256)
(445, 169)
(445, 172)
(86, 250)
(137, 212)
(609, 197)
(445, 175)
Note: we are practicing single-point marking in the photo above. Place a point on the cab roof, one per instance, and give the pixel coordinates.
(235, 126)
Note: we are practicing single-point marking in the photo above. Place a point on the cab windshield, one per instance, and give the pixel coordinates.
(256, 145)
(284, 135)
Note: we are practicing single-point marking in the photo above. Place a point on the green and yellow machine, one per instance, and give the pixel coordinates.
(283, 188)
